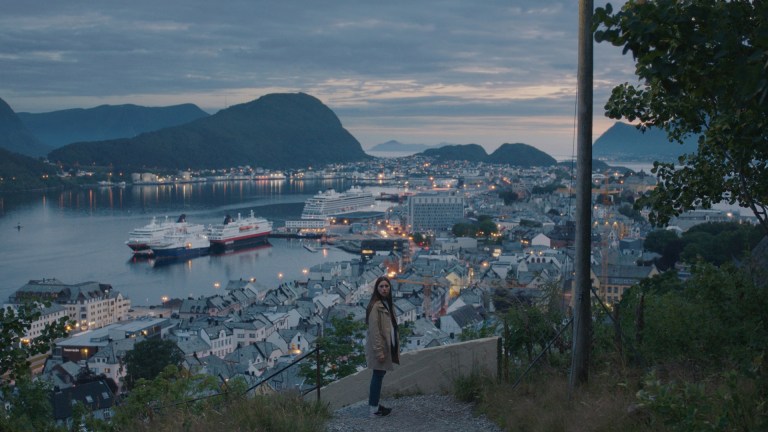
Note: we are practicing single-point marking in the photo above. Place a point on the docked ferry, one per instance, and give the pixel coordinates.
(140, 239)
(329, 203)
(233, 233)
(185, 242)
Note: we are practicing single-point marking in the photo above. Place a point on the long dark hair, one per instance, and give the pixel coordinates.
(376, 297)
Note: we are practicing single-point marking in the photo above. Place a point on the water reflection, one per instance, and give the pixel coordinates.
(158, 198)
(79, 235)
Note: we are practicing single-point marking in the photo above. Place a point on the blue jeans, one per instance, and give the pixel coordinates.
(375, 392)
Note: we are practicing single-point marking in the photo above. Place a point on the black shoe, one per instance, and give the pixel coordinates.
(382, 411)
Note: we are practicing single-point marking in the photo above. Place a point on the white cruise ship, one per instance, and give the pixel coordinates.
(330, 203)
(140, 239)
(233, 233)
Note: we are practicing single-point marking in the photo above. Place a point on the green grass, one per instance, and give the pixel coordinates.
(274, 413)
(542, 403)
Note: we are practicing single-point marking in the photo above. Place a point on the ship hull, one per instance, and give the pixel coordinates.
(180, 252)
(239, 242)
(139, 248)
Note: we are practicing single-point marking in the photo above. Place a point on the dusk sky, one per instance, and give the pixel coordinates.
(456, 71)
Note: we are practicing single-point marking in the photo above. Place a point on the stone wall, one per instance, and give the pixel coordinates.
(431, 370)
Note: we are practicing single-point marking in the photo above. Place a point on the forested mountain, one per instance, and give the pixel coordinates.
(274, 131)
(15, 137)
(624, 141)
(511, 154)
(105, 122)
(19, 173)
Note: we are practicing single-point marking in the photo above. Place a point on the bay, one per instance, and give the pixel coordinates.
(79, 235)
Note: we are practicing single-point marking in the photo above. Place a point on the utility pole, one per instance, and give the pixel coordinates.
(582, 318)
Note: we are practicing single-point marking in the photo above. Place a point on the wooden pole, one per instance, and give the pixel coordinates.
(582, 313)
(319, 364)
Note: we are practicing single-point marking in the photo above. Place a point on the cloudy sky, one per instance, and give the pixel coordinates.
(418, 71)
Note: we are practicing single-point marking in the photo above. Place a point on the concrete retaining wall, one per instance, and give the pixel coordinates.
(431, 370)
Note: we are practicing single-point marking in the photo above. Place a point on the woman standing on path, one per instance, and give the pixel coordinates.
(382, 346)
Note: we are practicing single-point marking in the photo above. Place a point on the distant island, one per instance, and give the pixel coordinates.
(517, 154)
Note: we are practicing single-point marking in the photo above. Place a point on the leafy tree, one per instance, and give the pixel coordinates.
(657, 241)
(15, 349)
(546, 190)
(484, 227)
(487, 227)
(530, 325)
(341, 350)
(471, 333)
(170, 388)
(715, 243)
(631, 212)
(715, 317)
(463, 229)
(718, 243)
(509, 196)
(703, 67)
(150, 357)
(421, 239)
(29, 407)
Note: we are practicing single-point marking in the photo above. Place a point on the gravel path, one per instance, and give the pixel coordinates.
(424, 413)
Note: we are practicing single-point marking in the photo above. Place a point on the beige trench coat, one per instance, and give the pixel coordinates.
(379, 340)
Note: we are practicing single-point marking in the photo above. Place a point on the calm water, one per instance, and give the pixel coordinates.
(78, 236)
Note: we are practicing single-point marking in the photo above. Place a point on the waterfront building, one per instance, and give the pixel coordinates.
(48, 315)
(90, 304)
(434, 212)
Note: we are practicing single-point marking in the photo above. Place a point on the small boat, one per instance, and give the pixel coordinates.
(310, 248)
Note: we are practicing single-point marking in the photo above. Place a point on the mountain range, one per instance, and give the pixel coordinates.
(15, 137)
(58, 128)
(275, 131)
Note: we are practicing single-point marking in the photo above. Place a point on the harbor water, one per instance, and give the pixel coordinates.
(79, 235)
